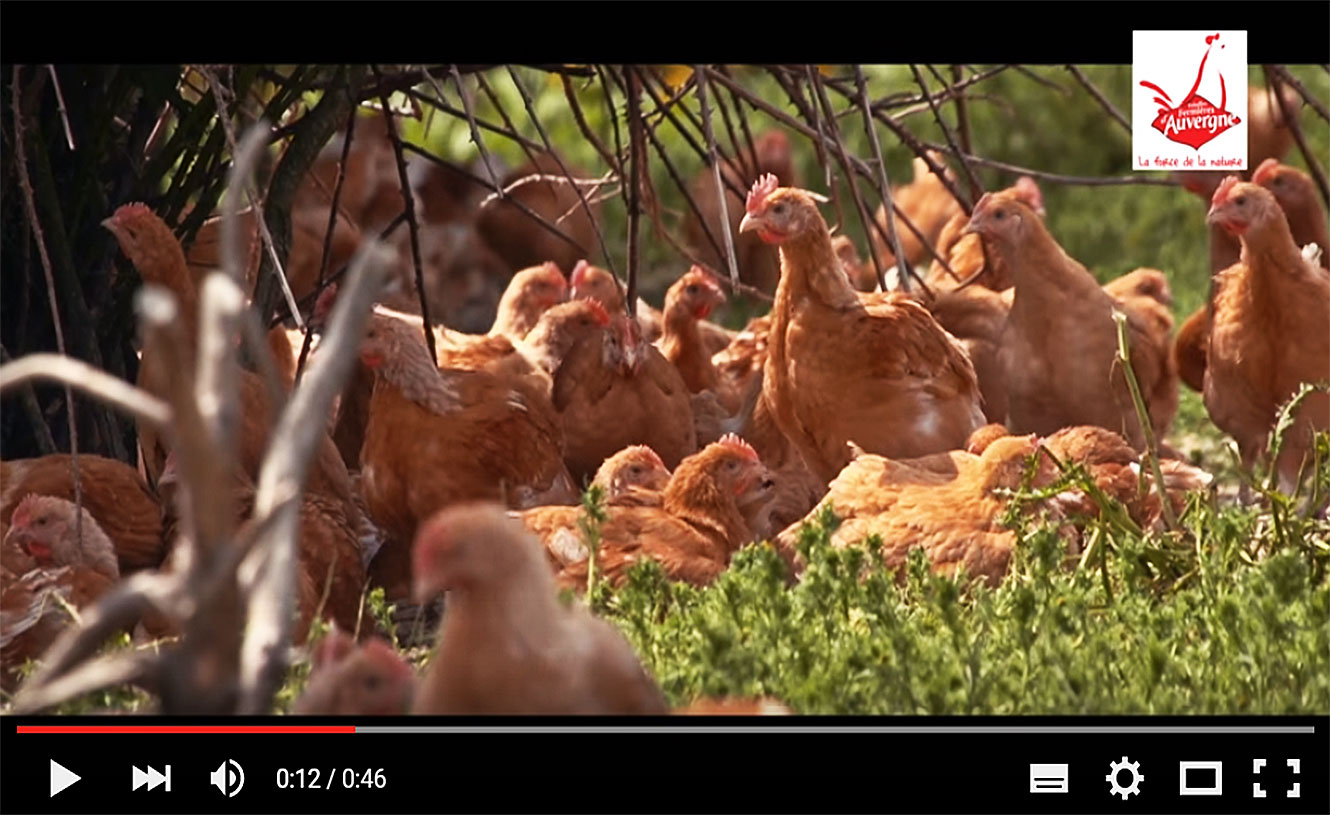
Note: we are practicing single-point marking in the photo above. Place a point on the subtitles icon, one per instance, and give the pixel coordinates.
(1048, 777)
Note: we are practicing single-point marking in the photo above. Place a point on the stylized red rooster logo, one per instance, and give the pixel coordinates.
(1195, 121)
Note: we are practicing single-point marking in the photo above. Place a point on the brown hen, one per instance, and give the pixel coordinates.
(507, 645)
(879, 372)
(1269, 297)
(1059, 347)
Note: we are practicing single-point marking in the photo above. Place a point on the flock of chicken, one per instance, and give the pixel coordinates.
(910, 414)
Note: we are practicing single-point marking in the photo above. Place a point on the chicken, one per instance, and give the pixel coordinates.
(148, 242)
(613, 390)
(77, 569)
(309, 222)
(530, 293)
(796, 490)
(927, 203)
(976, 316)
(330, 552)
(113, 493)
(356, 680)
(1059, 347)
(633, 476)
(965, 252)
(733, 707)
(1115, 469)
(948, 504)
(594, 283)
(690, 299)
(881, 373)
(507, 645)
(464, 277)
(435, 438)
(714, 503)
(522, 241)
(741, 361)
(1296, 194)
(862, 275)
(1261, 303)
(758, 265)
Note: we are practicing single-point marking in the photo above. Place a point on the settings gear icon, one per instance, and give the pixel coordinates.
(1133, 767)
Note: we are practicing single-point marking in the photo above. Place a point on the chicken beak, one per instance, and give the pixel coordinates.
(749, 223)
(970, 229)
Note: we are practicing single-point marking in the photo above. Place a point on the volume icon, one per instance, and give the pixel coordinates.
(152, 778)
(231, 782)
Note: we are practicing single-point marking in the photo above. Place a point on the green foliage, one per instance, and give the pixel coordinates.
(382, 612)
(1201, 627)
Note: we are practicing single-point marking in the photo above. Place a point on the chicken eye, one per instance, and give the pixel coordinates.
(778, 209)
(39, 522)
(692, 289)
(731, 465)
(372, 683)
(1241, 200)
(635, 470)
(999, 215)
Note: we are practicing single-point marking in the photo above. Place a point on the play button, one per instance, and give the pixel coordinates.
(61, 778)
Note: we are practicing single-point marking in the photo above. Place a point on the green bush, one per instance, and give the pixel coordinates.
(1207, 629)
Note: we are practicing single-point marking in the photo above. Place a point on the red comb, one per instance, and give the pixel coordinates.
(1028, 191)
(762, 187)
(23, 512)
(1267, 169)
(579, 272)
(745, 449)
(1225, 186)
(598, 311)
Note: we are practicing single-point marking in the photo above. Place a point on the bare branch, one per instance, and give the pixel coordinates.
(859, 166)
(975, 187)
(60, 103)
(334, 208)
(610, 159)
(284, 472)
(884, 189)
(95, 382)
(549, 147)
(1085, 181)
(409, 205)
(33, 410)
(246, 153)
(1309, 97)
(636, 153)
(1291, 121)
(1099, 97)
(30, 204)
(714, 164)
(523, 208)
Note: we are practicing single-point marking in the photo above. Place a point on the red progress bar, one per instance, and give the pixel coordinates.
(185, 728)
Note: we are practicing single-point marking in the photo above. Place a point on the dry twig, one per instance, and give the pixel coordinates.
(30, 204)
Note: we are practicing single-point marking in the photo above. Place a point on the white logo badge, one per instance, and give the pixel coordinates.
(1189, 100)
